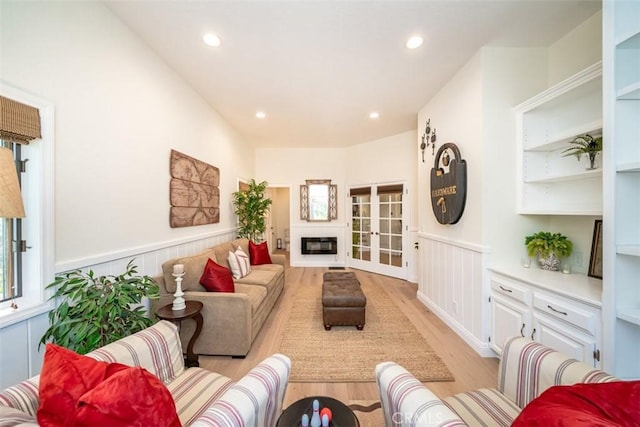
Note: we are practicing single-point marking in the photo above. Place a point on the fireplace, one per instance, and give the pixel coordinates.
(319, 245)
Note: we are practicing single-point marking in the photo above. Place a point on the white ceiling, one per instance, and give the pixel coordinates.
(318, 68)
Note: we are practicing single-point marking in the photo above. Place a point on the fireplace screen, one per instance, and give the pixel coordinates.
(319, 245)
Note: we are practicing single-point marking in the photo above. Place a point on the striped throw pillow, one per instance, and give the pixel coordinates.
(239, 263)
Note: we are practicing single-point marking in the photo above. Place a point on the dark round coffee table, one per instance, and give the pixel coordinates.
(343, 416)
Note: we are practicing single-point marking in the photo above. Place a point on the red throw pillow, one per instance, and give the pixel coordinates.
(582, 405)
(259, 254)
(129, 397)
(217, 278)
(73, 387)
(64, 378)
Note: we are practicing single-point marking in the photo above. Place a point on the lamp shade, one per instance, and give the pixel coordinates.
(10, 197)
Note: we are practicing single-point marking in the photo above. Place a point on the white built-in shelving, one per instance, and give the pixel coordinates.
(621, 219)
(548, 181)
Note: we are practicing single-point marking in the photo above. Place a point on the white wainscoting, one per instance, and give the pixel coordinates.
(453, 283)
(19, 355)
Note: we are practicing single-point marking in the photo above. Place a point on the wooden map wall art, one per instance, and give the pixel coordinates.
(194, 193)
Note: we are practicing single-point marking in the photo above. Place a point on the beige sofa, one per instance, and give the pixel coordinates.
(202, 398)
(231, 320)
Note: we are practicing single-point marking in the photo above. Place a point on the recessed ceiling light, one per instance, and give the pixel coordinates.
(211, 40)
(374, 115)
(261, 115)
(414, 42)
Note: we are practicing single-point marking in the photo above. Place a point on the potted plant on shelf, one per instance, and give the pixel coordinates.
(549, 248)
(585, 145)
(97, 310)
(251, 206)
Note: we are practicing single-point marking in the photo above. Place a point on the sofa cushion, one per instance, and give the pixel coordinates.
(196, 390)
(156, 348)
(605, 404)
(259, 253)
(266, 275)
(221, 253)
(217, 278)
(239, 263)
(193, 268)
(12, 417)
(486, 406)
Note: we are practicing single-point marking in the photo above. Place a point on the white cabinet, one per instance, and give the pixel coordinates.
(549, 182)
(558, 310)
(621, 218)
(510, 311)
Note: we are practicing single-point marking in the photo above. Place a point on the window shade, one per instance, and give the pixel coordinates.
(18, 122)
(362, 191)
(390, 189)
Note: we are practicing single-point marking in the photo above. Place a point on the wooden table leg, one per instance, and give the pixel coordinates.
(192, 358)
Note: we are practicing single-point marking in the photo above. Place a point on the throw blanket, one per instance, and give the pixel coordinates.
(602, 404)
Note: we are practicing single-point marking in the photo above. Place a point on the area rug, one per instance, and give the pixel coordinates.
(345, 354)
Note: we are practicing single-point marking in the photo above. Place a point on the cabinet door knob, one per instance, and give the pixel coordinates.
(564, 313)
(522, 330)
(533, 333)
(505, 289)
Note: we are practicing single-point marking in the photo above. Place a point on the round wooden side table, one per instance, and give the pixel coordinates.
(191, 311)
(343, 416)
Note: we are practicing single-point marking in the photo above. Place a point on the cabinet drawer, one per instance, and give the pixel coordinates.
(572, 313)
(508, 288)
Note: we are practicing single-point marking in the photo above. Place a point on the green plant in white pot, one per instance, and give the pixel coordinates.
(97, 310)
(549, 248)
(585, 145)
(252, 206)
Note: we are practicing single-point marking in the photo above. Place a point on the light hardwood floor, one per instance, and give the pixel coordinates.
(469, 369)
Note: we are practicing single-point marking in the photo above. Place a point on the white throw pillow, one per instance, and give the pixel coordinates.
(239, 263)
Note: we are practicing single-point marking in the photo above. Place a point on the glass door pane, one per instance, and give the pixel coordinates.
(390, 223)
(361, 227)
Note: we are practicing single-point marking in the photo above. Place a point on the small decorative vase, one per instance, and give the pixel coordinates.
(592, 161)
(551, 263)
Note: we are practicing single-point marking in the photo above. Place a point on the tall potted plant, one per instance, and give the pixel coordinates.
(549, 248)
(251, 206)
(97, 310)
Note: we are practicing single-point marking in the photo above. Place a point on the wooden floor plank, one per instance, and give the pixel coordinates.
(469, 369)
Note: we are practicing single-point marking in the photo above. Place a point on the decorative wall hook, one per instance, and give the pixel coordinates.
(428, 138)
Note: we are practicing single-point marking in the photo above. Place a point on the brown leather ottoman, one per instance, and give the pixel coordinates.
(343, 303)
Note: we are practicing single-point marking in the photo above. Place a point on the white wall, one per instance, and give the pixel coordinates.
(474, 110)
(119, 110)
(456, 114)
(578, 49)
(390, 159)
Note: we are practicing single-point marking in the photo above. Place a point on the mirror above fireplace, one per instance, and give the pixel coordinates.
(318, 200)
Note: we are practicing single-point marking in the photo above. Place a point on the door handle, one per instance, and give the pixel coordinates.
(505, 289)
(533, 333)
(522, 330)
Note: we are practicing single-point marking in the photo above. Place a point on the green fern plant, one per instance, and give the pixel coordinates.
(584, 145)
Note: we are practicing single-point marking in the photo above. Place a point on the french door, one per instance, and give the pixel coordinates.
(377, 229)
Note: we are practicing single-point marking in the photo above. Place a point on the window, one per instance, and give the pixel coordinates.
(33, 268)
(10, 238)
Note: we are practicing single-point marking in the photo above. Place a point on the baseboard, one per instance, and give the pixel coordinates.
(480, 347)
